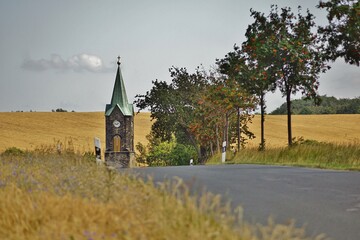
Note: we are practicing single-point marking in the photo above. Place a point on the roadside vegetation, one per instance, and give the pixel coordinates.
(47, 195)
(304, 153)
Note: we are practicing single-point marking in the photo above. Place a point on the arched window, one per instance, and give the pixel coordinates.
(117, 143)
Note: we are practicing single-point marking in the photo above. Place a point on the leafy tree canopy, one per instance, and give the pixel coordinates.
(342, 34)
(195, 108)
(328, 105)
(290, 53)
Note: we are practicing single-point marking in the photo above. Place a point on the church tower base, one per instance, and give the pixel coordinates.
(119, 159)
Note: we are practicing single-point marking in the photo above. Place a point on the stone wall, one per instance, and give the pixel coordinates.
(119, 159)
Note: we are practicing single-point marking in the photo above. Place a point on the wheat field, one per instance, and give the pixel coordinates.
(28, 130)
(336, 128)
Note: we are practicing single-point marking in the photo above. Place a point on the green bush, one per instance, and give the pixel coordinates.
(168, 153)
(141, 155)
(159, 155)
(302, 141)
(181, 154)
(13, 151)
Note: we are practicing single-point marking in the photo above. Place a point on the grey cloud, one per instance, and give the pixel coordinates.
(77, 63)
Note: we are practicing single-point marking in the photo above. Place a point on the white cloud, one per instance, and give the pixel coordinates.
(77, 63)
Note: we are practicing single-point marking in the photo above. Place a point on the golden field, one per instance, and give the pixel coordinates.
(336, 128)
(27, 130)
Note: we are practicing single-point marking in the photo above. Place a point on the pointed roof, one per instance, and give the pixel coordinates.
(119, 98)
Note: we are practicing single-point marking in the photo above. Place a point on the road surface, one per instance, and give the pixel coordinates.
(324, 201)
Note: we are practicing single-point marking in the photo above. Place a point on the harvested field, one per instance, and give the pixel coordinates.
(27, 130)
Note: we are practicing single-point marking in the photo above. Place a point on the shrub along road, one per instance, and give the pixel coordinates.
(324, 201)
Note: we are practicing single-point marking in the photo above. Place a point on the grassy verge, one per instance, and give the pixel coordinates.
(307, 154)
(46, 195)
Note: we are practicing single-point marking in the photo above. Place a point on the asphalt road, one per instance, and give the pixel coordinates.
(324, 201)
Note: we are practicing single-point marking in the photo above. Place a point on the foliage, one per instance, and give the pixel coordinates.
(240, 133)
(172, 105)
(165, 153)
(181, 154)
(280, 51)
(247, 67)
(290, 52)
(327, 105)
(160, 154)
(301, 141)
(141, 153)
(224, 113)
(13, 151)
(342, 34)
(59, 110)
(195, 108)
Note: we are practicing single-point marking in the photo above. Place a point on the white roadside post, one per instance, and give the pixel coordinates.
(97, 144)
(223, 154)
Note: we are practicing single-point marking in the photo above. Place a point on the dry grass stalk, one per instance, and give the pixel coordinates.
(66, 196)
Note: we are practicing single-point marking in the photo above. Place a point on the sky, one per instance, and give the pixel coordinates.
(62, 54)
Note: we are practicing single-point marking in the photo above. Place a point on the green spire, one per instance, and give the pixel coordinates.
(119, 98)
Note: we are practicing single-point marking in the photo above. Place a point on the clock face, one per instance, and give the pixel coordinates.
(116, 123)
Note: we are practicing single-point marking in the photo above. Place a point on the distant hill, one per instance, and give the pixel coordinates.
(328, 105)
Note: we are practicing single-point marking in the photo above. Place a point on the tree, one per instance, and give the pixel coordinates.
(251, 66)
(207, 122)
(192, 108)
(172, 106)
(342, 34)
(230, 98)
(59, 110)
(295, 53)
(328, 105)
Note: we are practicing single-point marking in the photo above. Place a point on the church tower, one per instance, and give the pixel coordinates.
(119, 124)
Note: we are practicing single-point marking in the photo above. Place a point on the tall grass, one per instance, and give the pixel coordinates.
(307, 154)
(47, 195)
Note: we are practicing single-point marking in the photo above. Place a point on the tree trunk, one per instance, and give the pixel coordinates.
(217, 139)
(203, 154)
(262, 110)
(226, 129)
(288, 105)
(195, 145)
(238, 129)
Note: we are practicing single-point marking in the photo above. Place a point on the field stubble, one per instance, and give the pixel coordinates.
(30, 130)
(336, 128)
